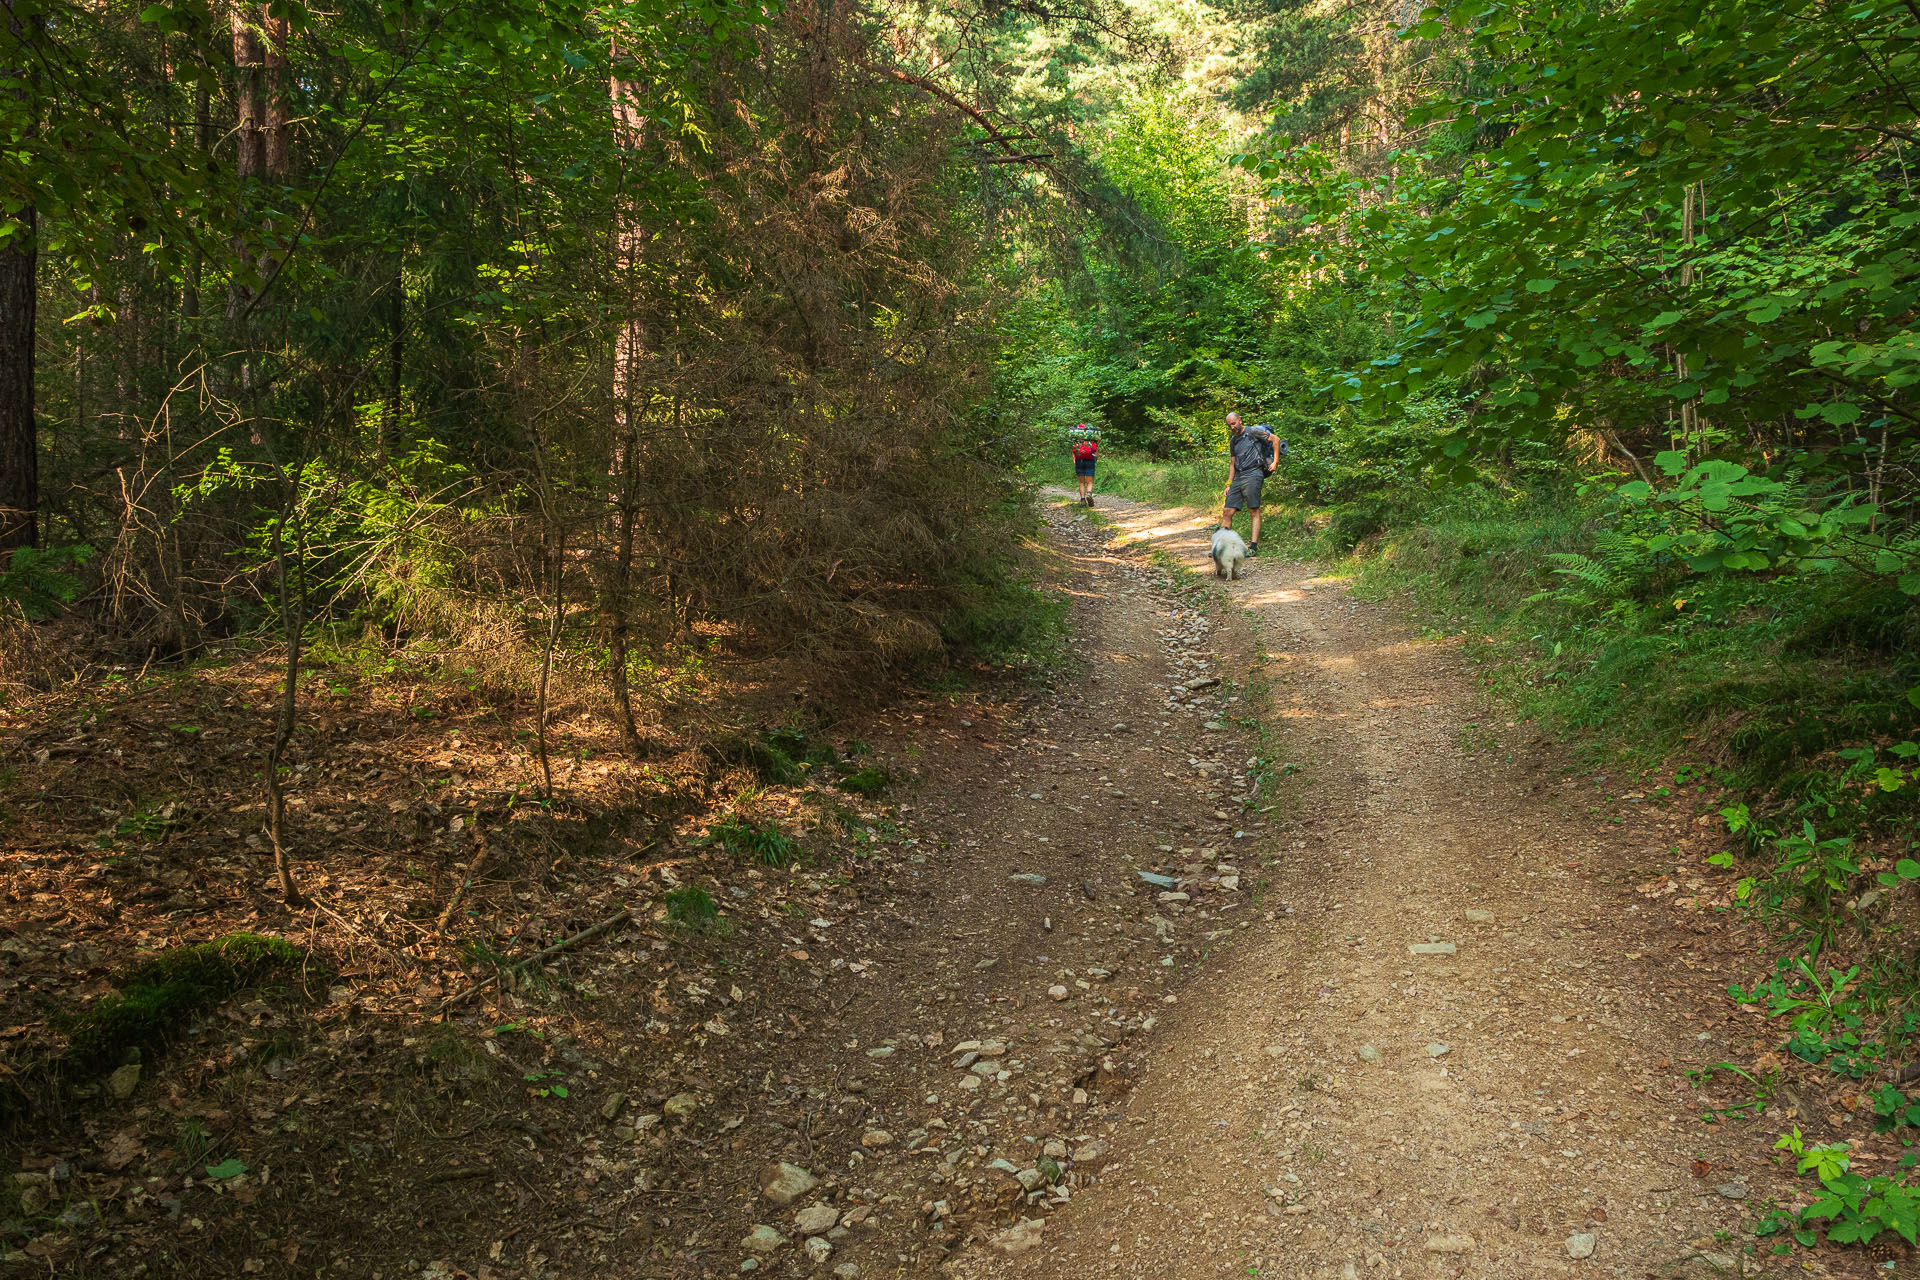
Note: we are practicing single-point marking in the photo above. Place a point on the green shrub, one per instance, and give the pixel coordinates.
(746, 839)
(692, 906)
(870, 781)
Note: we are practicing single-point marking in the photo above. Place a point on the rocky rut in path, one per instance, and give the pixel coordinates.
(1450, 1053)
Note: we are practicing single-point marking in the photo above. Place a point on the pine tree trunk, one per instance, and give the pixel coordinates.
(19, 441)
(19, 298)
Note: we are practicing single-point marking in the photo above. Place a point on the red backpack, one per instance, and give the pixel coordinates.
(1084, 451)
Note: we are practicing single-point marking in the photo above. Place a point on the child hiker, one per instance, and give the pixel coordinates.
(1086, 444)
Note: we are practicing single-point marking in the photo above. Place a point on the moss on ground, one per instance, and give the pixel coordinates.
(157, 998)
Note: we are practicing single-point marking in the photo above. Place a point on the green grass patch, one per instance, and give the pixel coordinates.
(1288, 527)
(765, 844)
(870, 781)
(691, 906)
(1768, 677)
(1197, 482)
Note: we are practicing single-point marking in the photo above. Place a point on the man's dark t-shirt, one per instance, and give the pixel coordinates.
(1250, 454)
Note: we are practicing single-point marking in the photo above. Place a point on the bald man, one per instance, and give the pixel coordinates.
(1250, 459)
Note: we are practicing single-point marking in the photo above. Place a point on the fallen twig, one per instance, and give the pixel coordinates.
(541, 957)
(466, 879)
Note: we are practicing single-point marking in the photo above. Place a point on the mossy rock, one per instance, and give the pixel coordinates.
(870, 781)
(160, 996)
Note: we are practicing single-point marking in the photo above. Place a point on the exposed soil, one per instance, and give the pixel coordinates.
(964, 1009)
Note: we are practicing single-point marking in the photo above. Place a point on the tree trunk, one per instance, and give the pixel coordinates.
(276, 147)
(546, 657)
(396, 362)
(294, 623)
(620, 603)
(19, 439)
(19, 298)
(248, 68)
(250, 142)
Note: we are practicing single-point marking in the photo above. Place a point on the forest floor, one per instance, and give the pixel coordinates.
(1118, 979)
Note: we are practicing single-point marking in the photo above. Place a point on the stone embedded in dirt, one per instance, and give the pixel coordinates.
(1733, 1190)
(1431, 948)
(991, 1048)
(763, 1239)
(1029, 1179)
(1436, 1049)
(876, 1138)
(1090, 1152)
(784, 1183)
(819, 1249)
(847, 1271)
(681, 1105)
(1450, 1244)
(1367, 1053)
(970, 1083)
(1158, 881)
(124, 1081)
(1478, 915)
(816, 1220)
(1033, 878)
(611, 1107)
(1054, 1149)
(1230, 883)
(1019, 1238)
(884, 1051)
(1057, 992)
(966, 1060)
(1581, 1244)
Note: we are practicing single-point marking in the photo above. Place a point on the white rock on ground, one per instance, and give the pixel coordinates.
(763, 1239)
(1018, 1238)
(816, 1219)
(784, 1183)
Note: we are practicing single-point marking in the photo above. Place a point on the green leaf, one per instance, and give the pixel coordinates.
(1543, 285)
(1840, 412)
(228, 1168)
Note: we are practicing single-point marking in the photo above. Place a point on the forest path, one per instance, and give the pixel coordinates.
(1325, 1102)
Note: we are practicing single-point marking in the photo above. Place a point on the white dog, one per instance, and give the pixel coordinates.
(1228, 552)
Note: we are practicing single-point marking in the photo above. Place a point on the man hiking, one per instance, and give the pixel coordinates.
(1250, 457)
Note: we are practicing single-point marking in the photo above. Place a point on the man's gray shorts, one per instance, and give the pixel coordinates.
(1245, 492)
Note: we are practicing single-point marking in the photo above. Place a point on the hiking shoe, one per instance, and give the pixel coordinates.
(1253, 549)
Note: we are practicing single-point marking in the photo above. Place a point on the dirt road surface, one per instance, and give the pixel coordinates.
(1446, 1046)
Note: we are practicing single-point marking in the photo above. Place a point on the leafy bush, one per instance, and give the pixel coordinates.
(1855, 1208)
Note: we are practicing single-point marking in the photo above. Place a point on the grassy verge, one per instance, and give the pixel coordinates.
(1767, 681)
(1198, 483)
